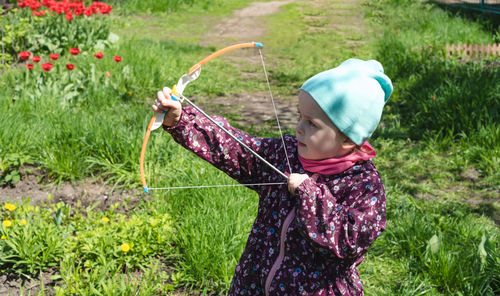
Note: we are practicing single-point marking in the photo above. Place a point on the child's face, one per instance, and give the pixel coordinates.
(318, 138)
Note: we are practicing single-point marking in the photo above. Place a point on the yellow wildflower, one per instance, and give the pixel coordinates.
(23, 222)
(125, 247)
(10, 207)
(105, 219)
(129, 93)
(7, 223)
(3, 237)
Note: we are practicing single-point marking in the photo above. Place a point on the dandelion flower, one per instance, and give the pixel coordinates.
(10, 207)
(3, 237)
(7, 223)
(125, 247)
(105, 219)
(23, 222)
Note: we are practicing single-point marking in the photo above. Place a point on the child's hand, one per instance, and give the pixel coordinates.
(172, 109)
(294, 181)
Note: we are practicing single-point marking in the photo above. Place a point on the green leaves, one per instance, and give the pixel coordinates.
(15, 29)
(55, 34)
(86, 241)
(10, 165)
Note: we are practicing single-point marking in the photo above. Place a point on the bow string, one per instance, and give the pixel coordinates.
(177, 95)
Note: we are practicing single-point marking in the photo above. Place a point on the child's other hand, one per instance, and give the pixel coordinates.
(294, 181)
(172, 109)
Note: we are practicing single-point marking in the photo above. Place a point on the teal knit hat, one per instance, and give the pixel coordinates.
(352, 95)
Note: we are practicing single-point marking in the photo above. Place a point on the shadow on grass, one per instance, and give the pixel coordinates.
(434, 94)
(488, 18)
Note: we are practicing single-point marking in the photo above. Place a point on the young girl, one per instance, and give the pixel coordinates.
(308, 237)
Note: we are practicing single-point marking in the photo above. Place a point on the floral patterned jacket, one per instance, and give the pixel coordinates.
(307, 244)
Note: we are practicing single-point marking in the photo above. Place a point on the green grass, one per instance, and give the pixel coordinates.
(439, 159)
(302, 41)
(176, 7)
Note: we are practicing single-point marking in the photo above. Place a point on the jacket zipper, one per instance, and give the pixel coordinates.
(279, 260)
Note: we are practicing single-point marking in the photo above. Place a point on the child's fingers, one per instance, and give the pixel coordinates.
(158, 108)
(167, 91)
(161, 97)
(164, 102)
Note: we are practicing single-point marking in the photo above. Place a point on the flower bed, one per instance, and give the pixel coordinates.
(50, 26)
(70, 8)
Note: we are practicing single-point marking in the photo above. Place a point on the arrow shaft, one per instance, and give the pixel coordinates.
(234, 138)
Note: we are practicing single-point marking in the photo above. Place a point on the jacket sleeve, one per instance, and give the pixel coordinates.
(339, 229)
(197, 134)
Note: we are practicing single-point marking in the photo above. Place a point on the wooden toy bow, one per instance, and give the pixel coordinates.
(177, 94)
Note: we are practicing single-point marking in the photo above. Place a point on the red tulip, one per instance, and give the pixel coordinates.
(24, 55)
(69, 16)
(87, 12)
(39, 13)
(74, 51)
(46, 67)
(70, 66)
(117, 59)
(36, 59)
(29, 66)
(35, 5)
(53, 56)
(99, 55)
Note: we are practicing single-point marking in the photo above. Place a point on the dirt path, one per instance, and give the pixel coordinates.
(249, 24)
(245, 25)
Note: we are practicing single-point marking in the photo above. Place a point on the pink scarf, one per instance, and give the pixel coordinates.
(331, 166)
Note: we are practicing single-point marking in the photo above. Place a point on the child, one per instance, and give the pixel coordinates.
(308, 237)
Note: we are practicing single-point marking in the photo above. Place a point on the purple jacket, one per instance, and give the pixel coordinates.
(307, 244)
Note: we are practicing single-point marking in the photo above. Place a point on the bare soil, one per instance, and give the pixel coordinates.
(14, 285)
(254, 109)
(34, 187)
(244, 25)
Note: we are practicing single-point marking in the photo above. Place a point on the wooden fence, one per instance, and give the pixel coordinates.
(473, 50)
